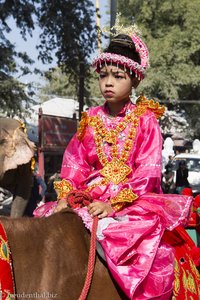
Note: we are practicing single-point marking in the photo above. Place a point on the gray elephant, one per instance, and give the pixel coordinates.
(16, 153)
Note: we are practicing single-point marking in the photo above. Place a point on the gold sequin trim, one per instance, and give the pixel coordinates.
(62, 188)
(176, 278)
(118, 206)
(143, 103)
(125, 195)
(187, 279)
(104, 181)
(82, 125)
(4, 250)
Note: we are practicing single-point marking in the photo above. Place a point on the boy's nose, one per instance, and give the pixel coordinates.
(109, 81)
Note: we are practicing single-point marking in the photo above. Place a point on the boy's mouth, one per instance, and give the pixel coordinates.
(108, 93)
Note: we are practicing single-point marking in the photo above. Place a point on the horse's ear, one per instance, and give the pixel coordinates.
(15, 149)
(6, 149)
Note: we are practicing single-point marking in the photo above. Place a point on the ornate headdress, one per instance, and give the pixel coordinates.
(133, 66)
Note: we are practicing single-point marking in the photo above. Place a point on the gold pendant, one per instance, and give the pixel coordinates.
(115, 171)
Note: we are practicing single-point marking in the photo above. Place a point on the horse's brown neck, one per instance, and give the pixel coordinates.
(56, 227)
(45, 248)
(51, 254)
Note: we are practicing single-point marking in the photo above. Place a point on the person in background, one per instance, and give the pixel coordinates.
(50, 194)
(37, 192)
(182, 177)
(168, 184)
(40, 181)
(170, 163)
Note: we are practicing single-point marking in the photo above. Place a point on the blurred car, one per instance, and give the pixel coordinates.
(193, 165)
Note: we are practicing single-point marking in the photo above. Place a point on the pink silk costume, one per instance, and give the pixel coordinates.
(139, 260)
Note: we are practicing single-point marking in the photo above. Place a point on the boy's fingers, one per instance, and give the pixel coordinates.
(103, 215)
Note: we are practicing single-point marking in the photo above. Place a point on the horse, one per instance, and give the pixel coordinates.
(50, 257)
(16, 152)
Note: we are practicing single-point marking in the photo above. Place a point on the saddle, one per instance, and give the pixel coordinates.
(7, 289)
(187, 264)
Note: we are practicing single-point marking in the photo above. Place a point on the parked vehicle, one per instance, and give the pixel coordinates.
(193, 165)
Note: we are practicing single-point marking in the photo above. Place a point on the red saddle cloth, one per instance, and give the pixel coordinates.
(7, 291)
(187, 262)
(194, 221)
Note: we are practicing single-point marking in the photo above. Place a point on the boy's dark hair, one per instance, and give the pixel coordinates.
(122, 44)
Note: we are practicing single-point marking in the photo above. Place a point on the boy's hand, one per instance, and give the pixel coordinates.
(99, 209)
(61, 205)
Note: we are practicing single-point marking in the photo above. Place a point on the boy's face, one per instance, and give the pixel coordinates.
(115, 84)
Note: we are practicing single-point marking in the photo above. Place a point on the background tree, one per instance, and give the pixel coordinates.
(13, 94)
(57, 83)
(171, 29)
(67, 31)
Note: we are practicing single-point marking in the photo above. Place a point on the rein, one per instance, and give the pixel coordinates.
(91, 261)
(78, 199)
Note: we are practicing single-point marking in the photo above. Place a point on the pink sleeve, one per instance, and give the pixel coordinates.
(146, 176)
(75, 168)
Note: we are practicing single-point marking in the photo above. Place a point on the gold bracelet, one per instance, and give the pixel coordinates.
(62, 188)
(117, 207)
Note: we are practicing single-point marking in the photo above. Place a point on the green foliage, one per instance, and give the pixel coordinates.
(14, 96)
(171, 29)
(68, 29)
(94, 96)
(59, 84)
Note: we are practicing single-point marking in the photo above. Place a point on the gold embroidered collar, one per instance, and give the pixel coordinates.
(116, 170)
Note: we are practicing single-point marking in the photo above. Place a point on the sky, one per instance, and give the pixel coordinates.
(29, 46)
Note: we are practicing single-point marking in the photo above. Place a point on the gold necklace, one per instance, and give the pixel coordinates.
(115, 170)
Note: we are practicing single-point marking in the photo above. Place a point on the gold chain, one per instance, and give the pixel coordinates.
(115, 170)
(101, 134)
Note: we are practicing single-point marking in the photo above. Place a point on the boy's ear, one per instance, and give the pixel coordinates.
(135, 82)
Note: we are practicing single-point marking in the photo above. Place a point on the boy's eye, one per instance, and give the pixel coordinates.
(102, 75)
(119, 76)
